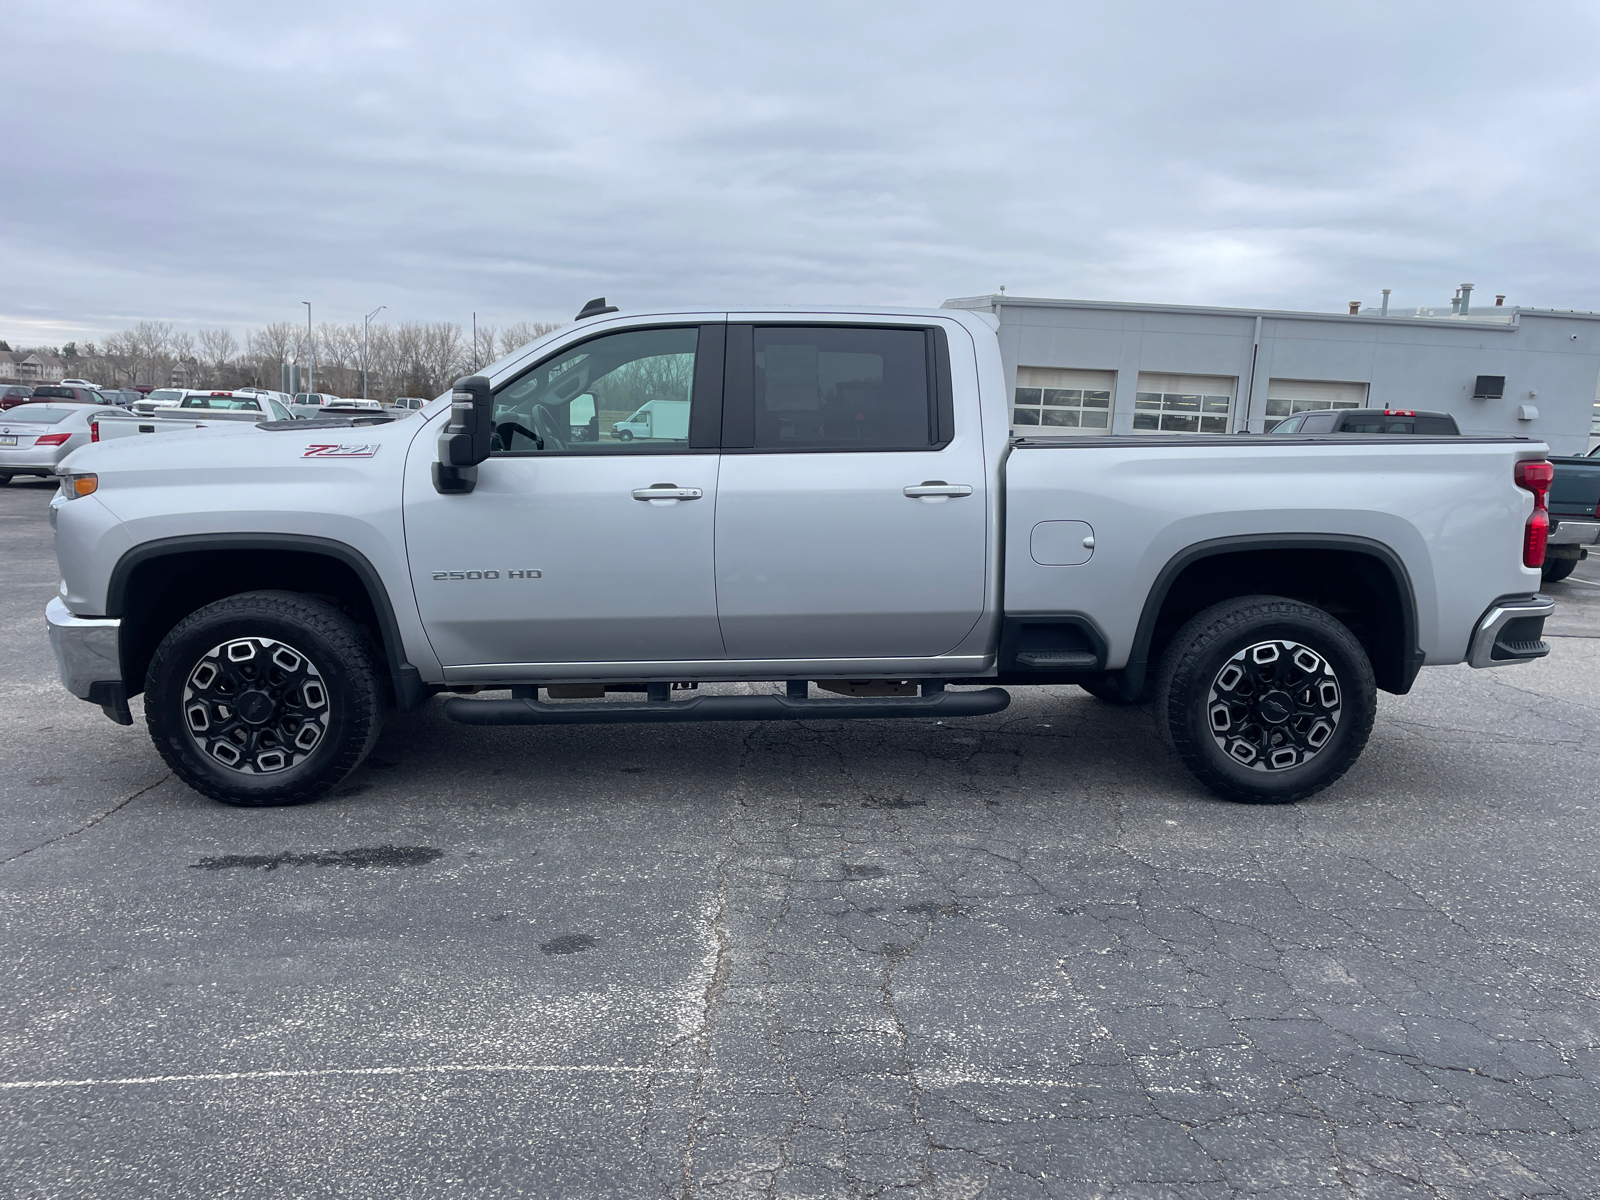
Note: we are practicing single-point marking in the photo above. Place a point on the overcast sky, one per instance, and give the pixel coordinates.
(211, 163)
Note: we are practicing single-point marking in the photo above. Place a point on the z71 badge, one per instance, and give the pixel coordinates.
(332, 451)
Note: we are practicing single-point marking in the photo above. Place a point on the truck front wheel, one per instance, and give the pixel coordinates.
(264, 698)
(1265, 699)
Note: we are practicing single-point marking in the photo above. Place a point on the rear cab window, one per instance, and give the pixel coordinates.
(797, 388)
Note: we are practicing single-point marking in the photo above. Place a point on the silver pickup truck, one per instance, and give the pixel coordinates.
(197, 410)
(843, 515)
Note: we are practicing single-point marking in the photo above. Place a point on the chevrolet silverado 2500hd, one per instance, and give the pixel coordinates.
(843, 509)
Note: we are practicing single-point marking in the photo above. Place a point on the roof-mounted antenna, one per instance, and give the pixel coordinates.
(595, 308)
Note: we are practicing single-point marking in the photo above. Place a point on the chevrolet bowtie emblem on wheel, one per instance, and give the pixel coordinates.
(332, 451)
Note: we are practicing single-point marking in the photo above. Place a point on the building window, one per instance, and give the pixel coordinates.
(1285, 397)
(1065, 402)
(1183, 403)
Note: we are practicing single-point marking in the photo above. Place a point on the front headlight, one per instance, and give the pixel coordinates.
(73, 486)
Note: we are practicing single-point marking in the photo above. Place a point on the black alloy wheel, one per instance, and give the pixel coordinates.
(265, 698)
(1266, 700)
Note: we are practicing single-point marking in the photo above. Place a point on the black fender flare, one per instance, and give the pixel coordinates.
(409, 690)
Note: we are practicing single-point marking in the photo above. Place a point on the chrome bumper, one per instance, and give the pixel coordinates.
(1511, 632)
(1575, 533)
(88, 659)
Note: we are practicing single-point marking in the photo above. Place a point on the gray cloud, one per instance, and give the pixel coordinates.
(210, 164)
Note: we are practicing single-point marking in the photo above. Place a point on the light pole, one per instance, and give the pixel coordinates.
(311, 352)
(365, 322)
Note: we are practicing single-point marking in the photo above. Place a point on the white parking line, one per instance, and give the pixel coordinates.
(334, 1072)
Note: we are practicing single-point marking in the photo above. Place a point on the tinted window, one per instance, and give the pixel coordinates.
(1292, 425)
(1361, 425)
(54, 393)
(1319, 423)
(843, 388)
(622, 393)
(1437, 425)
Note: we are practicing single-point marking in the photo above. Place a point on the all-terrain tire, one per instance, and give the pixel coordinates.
(264, 698)
(1557, 569)
(1266, 700)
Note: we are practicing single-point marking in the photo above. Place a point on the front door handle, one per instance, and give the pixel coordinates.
(938, 487)
(666, 491)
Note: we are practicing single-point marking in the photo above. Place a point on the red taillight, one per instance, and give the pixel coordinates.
(51, 439)
(1535, 475)
(1399, 412)
(94, 431)
(1534, 536)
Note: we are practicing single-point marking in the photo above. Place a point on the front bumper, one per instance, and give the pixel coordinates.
(88, 658)
(1512, 631)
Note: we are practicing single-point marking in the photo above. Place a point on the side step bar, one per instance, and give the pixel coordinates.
(724, 708)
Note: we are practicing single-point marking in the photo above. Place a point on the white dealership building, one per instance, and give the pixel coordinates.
(1091, 367)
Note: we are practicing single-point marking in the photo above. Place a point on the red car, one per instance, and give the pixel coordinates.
(13, 394)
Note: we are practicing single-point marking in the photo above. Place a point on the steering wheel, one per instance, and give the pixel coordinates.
(547, 429)
(503, 432)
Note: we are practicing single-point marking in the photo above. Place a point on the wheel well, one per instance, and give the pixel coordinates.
(1358, 588)
(159, 592)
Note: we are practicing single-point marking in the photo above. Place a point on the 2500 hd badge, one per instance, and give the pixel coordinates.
(486, 574)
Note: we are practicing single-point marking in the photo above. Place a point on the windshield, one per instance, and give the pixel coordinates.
(39, 414)
(166, 394)
(56, 393)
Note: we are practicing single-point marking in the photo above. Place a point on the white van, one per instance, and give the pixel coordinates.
(659, 420)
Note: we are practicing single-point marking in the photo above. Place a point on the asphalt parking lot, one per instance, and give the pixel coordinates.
(1015, 956)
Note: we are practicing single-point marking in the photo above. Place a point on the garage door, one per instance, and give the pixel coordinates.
(1184, 403)
(1285, 397)
(1068, 402)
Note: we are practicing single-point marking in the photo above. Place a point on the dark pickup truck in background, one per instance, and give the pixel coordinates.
(1574, 514)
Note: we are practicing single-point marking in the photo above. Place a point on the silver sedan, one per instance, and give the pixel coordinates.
(35, 437)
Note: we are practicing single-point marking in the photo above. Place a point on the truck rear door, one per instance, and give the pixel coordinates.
(850, 511)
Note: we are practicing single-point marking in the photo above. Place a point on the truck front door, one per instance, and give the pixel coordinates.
(576, 550)
(851, 515)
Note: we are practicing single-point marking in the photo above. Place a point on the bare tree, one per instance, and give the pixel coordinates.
(217, 349)
(483, 349)
(515, 337)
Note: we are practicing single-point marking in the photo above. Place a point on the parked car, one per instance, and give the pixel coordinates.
(843, 506)
(1574, 514)
(409, 402)
(1369, 420)
(122, 397)
(34, 437)
(13, 394)
(159, 398)
(197, 410)
(283, 398)
(70, 393)
(79, 383)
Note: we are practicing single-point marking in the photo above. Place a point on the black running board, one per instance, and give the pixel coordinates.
(724, 708)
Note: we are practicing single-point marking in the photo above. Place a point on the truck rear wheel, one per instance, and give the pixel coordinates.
(264, 698)
(1265, 699)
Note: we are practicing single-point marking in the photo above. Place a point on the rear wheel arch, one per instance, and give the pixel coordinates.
(157, 584)
(1362, 582)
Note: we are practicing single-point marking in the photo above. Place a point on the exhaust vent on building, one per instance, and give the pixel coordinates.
(1489, 387)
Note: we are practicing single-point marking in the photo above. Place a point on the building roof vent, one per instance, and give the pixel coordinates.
(1489, 387)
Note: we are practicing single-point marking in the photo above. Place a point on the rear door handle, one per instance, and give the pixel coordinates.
(938, 487)
(666, 491)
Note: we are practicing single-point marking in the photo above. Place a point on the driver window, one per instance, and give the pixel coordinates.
(621, 393)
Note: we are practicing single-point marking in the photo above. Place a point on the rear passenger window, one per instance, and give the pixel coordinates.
(834, 387)
(1437, 425)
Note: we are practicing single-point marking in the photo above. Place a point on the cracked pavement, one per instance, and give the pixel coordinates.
(1016, 956)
